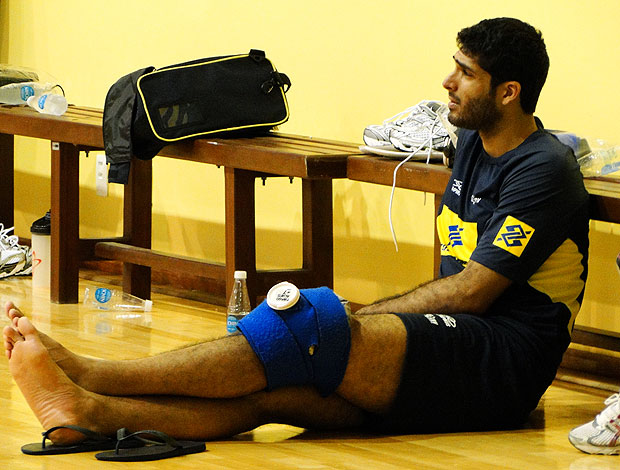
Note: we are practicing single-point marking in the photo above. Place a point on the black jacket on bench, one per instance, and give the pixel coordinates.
(119, 113)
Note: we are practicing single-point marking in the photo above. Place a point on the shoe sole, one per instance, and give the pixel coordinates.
(399, 154)
(592, 449)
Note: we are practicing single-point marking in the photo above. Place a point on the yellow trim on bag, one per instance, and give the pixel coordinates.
(223, 59)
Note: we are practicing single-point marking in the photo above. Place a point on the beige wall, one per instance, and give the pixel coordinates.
(351, 64)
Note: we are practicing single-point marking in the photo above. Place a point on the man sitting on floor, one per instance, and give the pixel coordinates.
(472, 350)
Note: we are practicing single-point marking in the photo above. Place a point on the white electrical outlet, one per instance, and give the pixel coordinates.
(101, 175)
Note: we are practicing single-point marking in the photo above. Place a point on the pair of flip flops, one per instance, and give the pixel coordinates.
(126, 447)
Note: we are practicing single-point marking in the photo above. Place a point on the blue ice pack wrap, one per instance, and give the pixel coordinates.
(308, 343)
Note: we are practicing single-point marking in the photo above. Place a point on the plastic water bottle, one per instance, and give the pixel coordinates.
(239, 303)
(18, 93)
(49, 103)
(600, 162)
(103, 298)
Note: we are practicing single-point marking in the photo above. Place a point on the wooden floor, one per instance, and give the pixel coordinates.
(174, 322)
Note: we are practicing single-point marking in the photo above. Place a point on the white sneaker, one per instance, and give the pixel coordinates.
(15, 259)
(420, 127)
(27, 268)
(378, 135)
(423, 128)
(602, 434)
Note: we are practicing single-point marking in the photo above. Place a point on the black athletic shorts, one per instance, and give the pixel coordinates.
(468, 373)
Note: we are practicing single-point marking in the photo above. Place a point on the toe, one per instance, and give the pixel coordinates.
(26, 328)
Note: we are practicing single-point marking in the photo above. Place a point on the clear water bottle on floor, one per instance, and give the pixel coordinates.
(103, 298)
(239, 303)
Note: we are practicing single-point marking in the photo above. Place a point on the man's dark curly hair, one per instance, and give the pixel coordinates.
(509, 49)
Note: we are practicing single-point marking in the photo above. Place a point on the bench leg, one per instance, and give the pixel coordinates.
(65, 223)
(318, 233)
(137, 225)
(7, 180)
(240, 228)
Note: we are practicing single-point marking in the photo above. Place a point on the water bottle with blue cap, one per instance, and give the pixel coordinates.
(239, 303)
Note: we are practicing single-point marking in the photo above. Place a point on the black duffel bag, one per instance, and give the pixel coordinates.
(149, 109)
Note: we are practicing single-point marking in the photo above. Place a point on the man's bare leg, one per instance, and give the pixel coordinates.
(195, 370)
(56, 400)
(228, 367)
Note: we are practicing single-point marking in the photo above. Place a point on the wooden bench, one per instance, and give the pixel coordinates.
(315, 161)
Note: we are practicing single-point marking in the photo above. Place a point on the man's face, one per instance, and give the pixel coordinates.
(472, 101)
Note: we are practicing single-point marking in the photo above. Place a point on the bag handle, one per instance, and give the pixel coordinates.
(257, 55)
(277, 79)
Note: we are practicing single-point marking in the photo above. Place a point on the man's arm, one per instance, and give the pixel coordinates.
(472, 290)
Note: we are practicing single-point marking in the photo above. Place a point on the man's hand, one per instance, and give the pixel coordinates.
(473, 290)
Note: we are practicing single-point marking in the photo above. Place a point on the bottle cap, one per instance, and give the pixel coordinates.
(241, 275)
(148, 305)
(43, 225)
(282, 296)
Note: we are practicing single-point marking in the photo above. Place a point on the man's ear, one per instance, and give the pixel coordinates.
(509, 92)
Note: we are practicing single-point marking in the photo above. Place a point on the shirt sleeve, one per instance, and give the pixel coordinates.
(538, 200)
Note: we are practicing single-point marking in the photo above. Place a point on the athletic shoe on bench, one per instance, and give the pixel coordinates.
(423, 127)
(602, 434)
(15, 259)
(421, 130)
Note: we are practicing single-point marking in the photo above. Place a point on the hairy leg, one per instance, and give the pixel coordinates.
(56, 400)
(378, 347)
(222, 368)
(228, 368)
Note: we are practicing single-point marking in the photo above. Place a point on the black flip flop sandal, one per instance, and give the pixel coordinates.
(93, 442)
(158, 445)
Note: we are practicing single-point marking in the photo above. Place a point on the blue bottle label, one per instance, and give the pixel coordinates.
(42, 101)
(231, 324)
(26, 92)
(610, 168)
(103, 295)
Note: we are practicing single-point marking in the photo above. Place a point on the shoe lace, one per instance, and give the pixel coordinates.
(402, 117)
(610, 416)
(7, 240)
(435, 121)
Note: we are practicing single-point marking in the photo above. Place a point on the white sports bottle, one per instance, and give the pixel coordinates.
(49, 103)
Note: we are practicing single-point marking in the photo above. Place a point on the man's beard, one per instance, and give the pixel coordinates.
(479, 114)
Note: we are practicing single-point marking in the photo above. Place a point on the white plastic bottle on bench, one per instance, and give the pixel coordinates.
(49, 103)
(239, 304)
(18, 93)
(601, 162)
(103, 298)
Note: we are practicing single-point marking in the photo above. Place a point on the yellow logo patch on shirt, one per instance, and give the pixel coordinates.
(458, 238)
(513, 236)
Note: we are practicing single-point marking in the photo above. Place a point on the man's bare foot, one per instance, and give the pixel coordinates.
(14, 314)
(72, 364)
(11, 336)
(52, 396)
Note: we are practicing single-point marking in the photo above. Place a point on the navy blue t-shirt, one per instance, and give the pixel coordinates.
(524, 215)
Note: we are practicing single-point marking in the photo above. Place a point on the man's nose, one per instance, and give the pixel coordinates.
(448, 82)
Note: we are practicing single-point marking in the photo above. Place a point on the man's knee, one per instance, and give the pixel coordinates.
(307, 343)
(376, 361)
